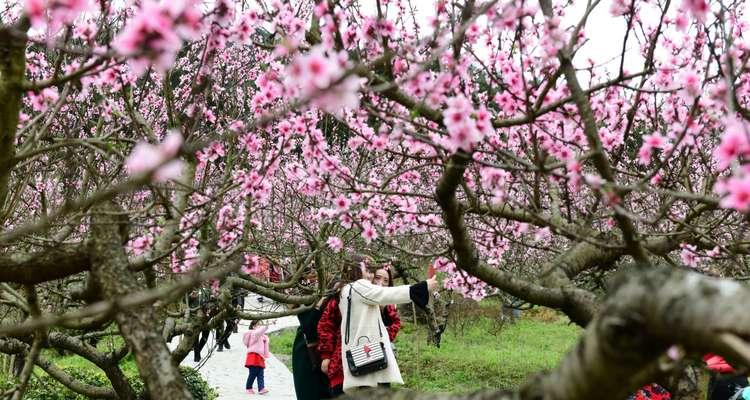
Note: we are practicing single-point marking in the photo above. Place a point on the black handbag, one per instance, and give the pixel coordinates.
(364, 358)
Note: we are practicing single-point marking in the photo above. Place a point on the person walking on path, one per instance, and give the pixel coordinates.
(256, 342)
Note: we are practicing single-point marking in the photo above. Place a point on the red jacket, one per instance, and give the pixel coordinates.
(329, 341)
(392, 321)
(329, 337)
(716, 363)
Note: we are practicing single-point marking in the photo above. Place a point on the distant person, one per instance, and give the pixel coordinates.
(198, 303)
(225, 329)
(256, 342)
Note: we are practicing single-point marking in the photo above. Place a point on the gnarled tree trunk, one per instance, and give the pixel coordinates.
(138, 325)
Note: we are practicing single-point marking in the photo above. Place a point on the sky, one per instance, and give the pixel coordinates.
(604, 32)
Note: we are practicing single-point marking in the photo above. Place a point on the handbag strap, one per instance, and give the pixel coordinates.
(349, 315)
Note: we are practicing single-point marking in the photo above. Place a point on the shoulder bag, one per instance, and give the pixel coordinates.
(364, 357)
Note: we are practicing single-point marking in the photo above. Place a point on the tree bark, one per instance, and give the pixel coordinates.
(12, 70)
(138, 325)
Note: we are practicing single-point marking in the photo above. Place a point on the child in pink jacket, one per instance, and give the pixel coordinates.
(256, 342)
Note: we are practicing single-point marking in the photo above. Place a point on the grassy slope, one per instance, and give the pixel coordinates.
(477, 359)
(480, 359)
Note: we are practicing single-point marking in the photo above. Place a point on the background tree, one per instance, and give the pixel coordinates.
(151, 148)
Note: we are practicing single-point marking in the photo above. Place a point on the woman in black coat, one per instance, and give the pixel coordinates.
(310, 383)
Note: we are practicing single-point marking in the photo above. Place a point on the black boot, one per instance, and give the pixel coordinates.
(197, 358)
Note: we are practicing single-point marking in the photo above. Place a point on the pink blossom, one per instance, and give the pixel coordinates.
(144, 157)
(35, 10)
(595, 181)
(315, 74)
(342, 203)
(215, 151)
(171, 144)
(644, 154)
(738, 194)
(714, 252)
(252, 264)
(655, 141)
(169, 171)
(688, 255)
(140, 244)
(734, 143)
(149, 37)
(147, 158)
(369, 233)
(335, 244)
(620, 7)
(681, 22)
(691, 84)
(154, 35)
(463, 131)
(698, 8)
(656, 179)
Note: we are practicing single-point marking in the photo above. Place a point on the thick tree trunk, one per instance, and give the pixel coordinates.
(12, 70)
(119, 383)
(138, 325)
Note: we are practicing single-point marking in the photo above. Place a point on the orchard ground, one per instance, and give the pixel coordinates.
(477, 350)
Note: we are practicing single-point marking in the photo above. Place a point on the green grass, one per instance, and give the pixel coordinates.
(281, 344)
(483, 357)
(107, 344)
(480, 359)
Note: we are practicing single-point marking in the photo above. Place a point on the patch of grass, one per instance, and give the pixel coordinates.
(281, 344)
(482, 357)
(282, 341)
(479, 359)
(107, 344)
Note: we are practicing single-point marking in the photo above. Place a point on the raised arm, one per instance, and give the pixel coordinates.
(379, 295)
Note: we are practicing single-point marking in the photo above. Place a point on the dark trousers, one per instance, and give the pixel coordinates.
(223, 331)
(255, 372)
(199, 343)
(722, 387)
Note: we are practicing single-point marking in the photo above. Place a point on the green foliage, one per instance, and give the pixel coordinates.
(336, 132)
(197, 385)
(44, 387)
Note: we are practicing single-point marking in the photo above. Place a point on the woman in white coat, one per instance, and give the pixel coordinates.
(365, 322)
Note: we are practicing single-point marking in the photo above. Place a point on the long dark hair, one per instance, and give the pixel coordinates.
(353, 267)
(388, 269)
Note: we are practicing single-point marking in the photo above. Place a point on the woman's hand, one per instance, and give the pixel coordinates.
(432, 284)
(324, 365)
